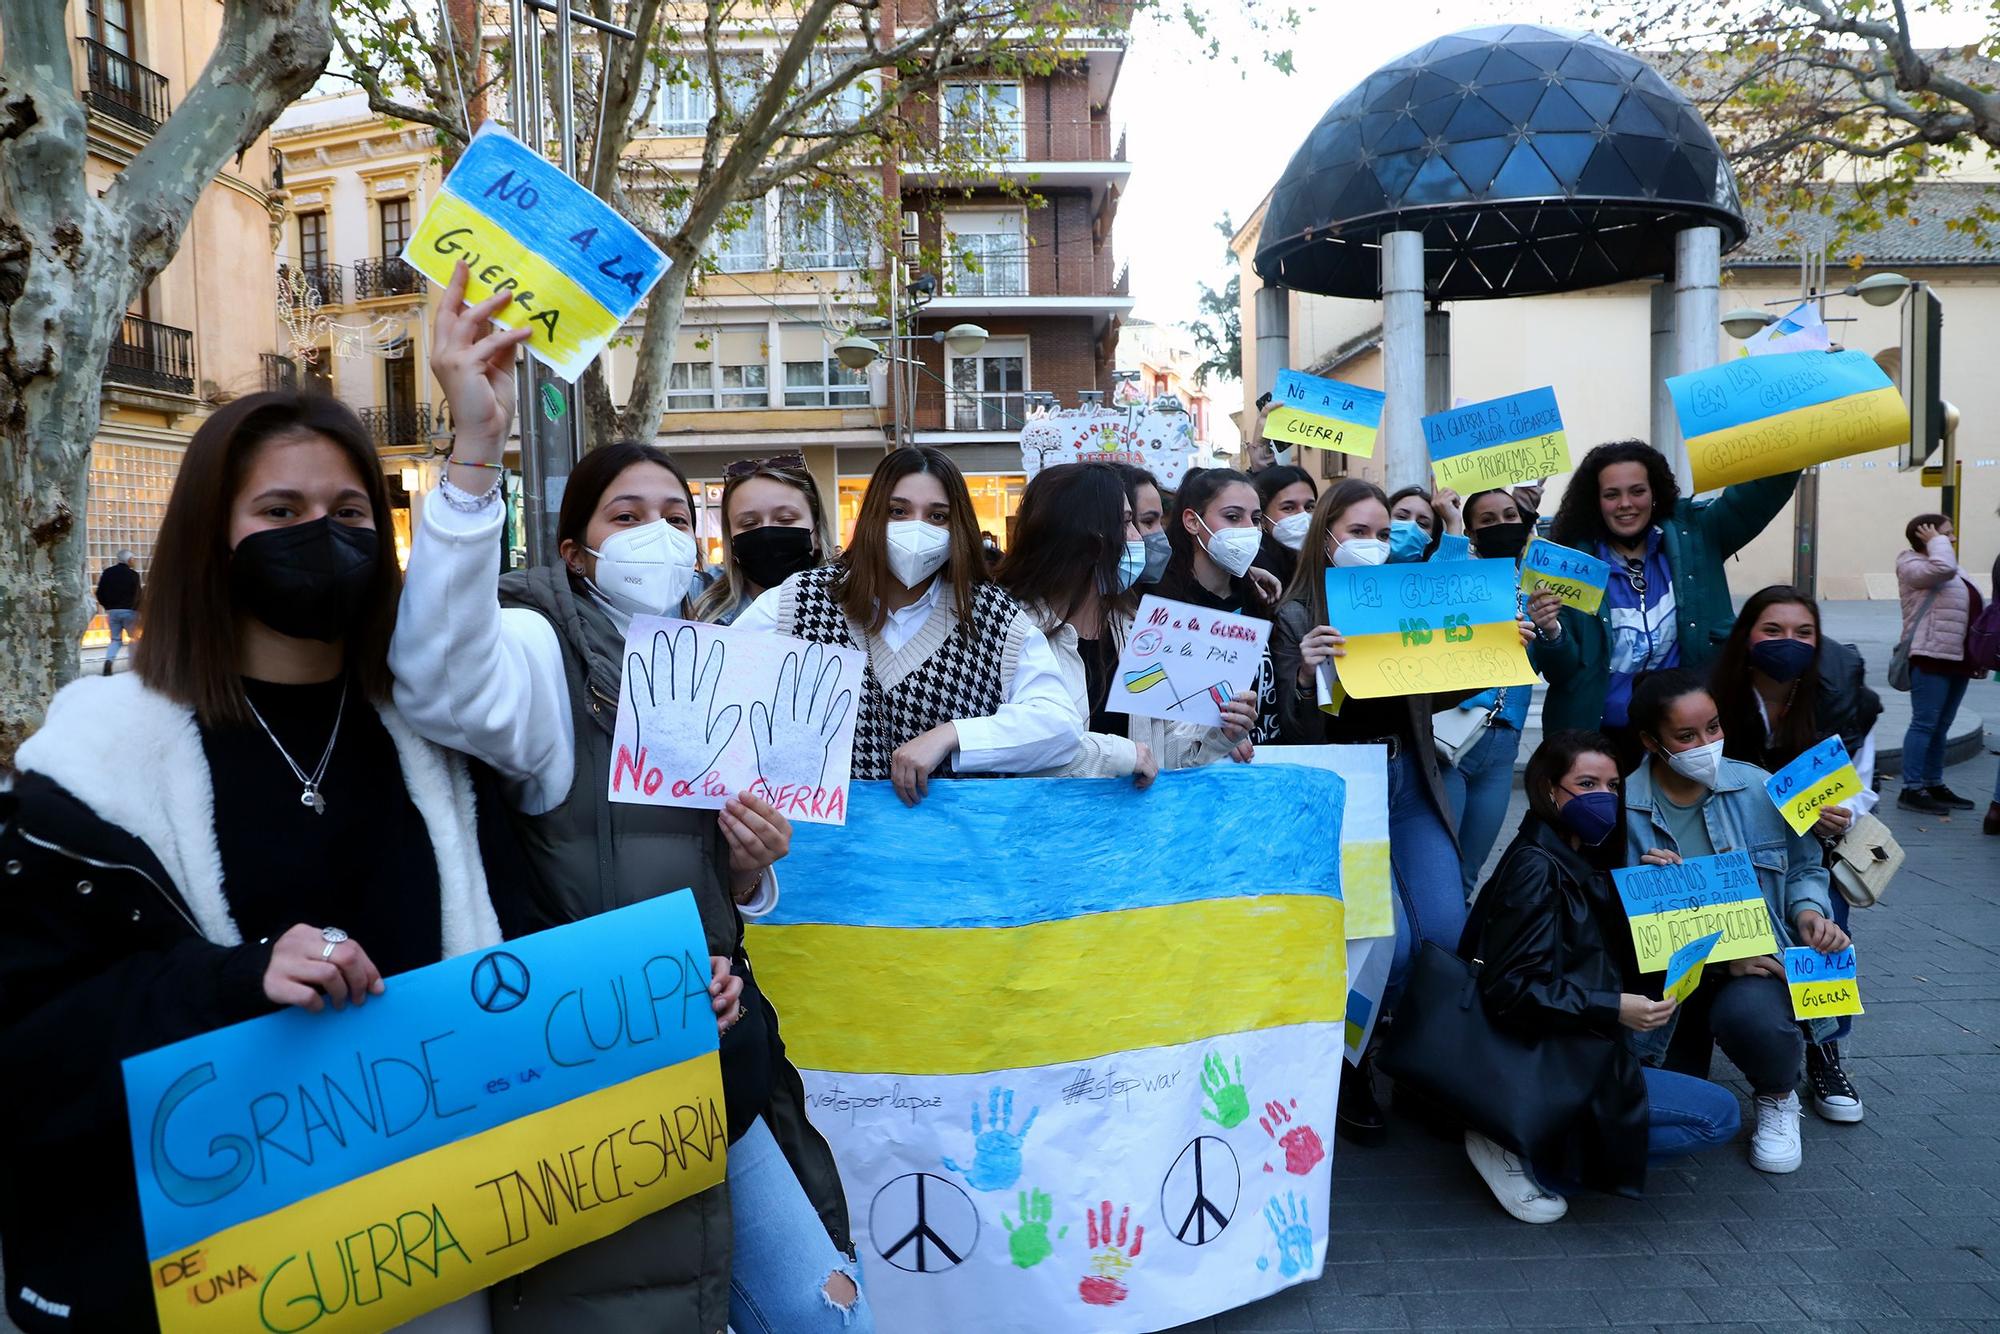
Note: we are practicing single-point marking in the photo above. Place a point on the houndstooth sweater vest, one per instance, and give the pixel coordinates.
(948, 670)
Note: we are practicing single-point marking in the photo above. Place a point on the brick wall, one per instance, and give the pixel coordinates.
(1066, 257)
(1064, 358)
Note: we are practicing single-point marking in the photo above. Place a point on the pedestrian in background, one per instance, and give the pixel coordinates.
(118, 594)
(1939, 606)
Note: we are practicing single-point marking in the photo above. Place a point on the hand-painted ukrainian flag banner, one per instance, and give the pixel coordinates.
(1669, 906)
(1820, 777)
(1823, 985)
(1575, 577)
(577, 269)
(349, 1170)
(1325, 414)
(1685, 965)
(1760, 416)
(1501, 442)
(1427, 628)
(1076, 1046)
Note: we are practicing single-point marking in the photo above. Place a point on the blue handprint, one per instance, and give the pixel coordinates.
(1294, 1234)
(996, 1150)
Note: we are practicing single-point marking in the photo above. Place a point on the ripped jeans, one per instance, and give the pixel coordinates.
(783, 1256)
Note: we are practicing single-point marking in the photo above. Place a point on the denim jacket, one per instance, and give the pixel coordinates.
(1740, 814)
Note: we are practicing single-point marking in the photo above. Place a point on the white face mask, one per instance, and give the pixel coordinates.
(1701, 764)
(1291, 530)
(1359, 551)
(917, 550)
(645, 570)
(1234, 549)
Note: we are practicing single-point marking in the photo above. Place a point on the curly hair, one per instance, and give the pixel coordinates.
(1579, 520)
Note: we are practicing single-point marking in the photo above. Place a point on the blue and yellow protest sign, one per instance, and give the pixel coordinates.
(1578, 579)
(1685, 964)
(1669, 906)
(1760, 416)
(1823, 985)
(999, 1049)
(349, 1170)
(1501, 442)
(1820, 777)
(577, 269)
(1325, 414)
(1427, 628)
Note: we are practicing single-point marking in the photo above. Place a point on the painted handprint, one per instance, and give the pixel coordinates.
(996, 1149)
(1232, 1103)
(1110, 1260)
(680, 731)
(794, 734)
(1029, 1243)
(1301, 1143)
(1291, 1226)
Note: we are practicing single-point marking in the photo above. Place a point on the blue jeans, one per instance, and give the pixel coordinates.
(121, 621)
(783, 1256)
(1430, 898)
(1934, 701)
(1479, 787)
(1684, 1114)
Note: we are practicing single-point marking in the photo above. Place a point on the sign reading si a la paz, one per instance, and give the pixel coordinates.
(349, 1170)
(577, 270)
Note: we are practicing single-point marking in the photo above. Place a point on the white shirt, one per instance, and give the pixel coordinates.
(1037, 726)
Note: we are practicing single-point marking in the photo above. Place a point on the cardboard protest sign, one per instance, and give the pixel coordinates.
(1324, 414)
(707, 712)
(1761, 416)
(1160, 440)
(1183, 662)
(577, 269)
(349, 1170)
(1427, 628)
(1578, 579)
(1149, 1140)
(1823, 985)
(1820, 777)
(1685, 965)
(1669, 906)
(1501, 442)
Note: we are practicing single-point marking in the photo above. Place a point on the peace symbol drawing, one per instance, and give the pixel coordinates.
(1198, 1196)
(923, 1224)
(499, 982)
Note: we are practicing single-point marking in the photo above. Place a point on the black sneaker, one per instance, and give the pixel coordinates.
(1359, 1119)
(1833, 1097)
(1920, 799)
(1942, 794)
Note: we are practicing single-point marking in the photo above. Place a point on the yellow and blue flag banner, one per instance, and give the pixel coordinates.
(1324, 414)
(350, 1170)
(577, 269)
(1427, 628)
(1823, 985)
(1501, 442)
(1668, 906)
(1760, 416)
(1577, 578)
(1076, 1047)
(1685, 965)
(1820, 777)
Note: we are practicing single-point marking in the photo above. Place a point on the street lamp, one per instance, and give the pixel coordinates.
(858, 353)
(1881, 289)
(1746, 321)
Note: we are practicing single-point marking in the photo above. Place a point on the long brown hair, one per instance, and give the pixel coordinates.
(1729, 684)
(730, 589)
(865, 564)
(1068, 539)
(189, 649)
(1309, 580)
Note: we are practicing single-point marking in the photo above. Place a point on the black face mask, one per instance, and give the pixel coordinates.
(1506, 540)
(770, 555)
(307, 580)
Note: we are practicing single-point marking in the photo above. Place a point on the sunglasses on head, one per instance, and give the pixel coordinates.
(745, 467)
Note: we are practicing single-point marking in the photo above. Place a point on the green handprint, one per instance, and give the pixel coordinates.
(1232, 1102)
(1029, 1243)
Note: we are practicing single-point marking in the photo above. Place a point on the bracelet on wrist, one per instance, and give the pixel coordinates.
(465, 501)
(468, 463)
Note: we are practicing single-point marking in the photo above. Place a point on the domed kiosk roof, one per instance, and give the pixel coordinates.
(1532, 159)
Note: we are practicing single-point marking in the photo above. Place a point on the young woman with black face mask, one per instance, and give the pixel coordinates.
(774, 527)
(524, 672)
(243, 822)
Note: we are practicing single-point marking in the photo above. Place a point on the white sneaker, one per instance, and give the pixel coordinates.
(1511, 1182)
(1774, 1144)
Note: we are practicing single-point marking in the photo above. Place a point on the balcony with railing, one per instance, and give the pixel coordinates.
(152, 356)
(971, 410)
(321, 282)
(385, 277)
(399, 426)
(1037, 280)
(123, 89)
(280, 372)
(1003, 139)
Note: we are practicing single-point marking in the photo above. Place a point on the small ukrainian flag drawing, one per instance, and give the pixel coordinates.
(1142, 681)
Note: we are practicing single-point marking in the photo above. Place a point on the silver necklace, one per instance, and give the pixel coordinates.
(309, 796)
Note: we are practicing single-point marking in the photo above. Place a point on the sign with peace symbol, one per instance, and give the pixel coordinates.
(922, 1223)
(499, 982)
(1198, 1196)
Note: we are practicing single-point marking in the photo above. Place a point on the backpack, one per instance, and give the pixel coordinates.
(1982, 640)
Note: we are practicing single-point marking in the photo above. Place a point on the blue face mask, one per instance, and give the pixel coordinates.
(1591, 816)
(1158, 551)
(1407, 541)
(1131, 563)
(1783, 660)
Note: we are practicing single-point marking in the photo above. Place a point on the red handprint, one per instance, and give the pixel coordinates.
(1110, 1261)
(1301, 1143)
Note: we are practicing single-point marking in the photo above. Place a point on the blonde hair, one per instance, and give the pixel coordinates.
(728, 592)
